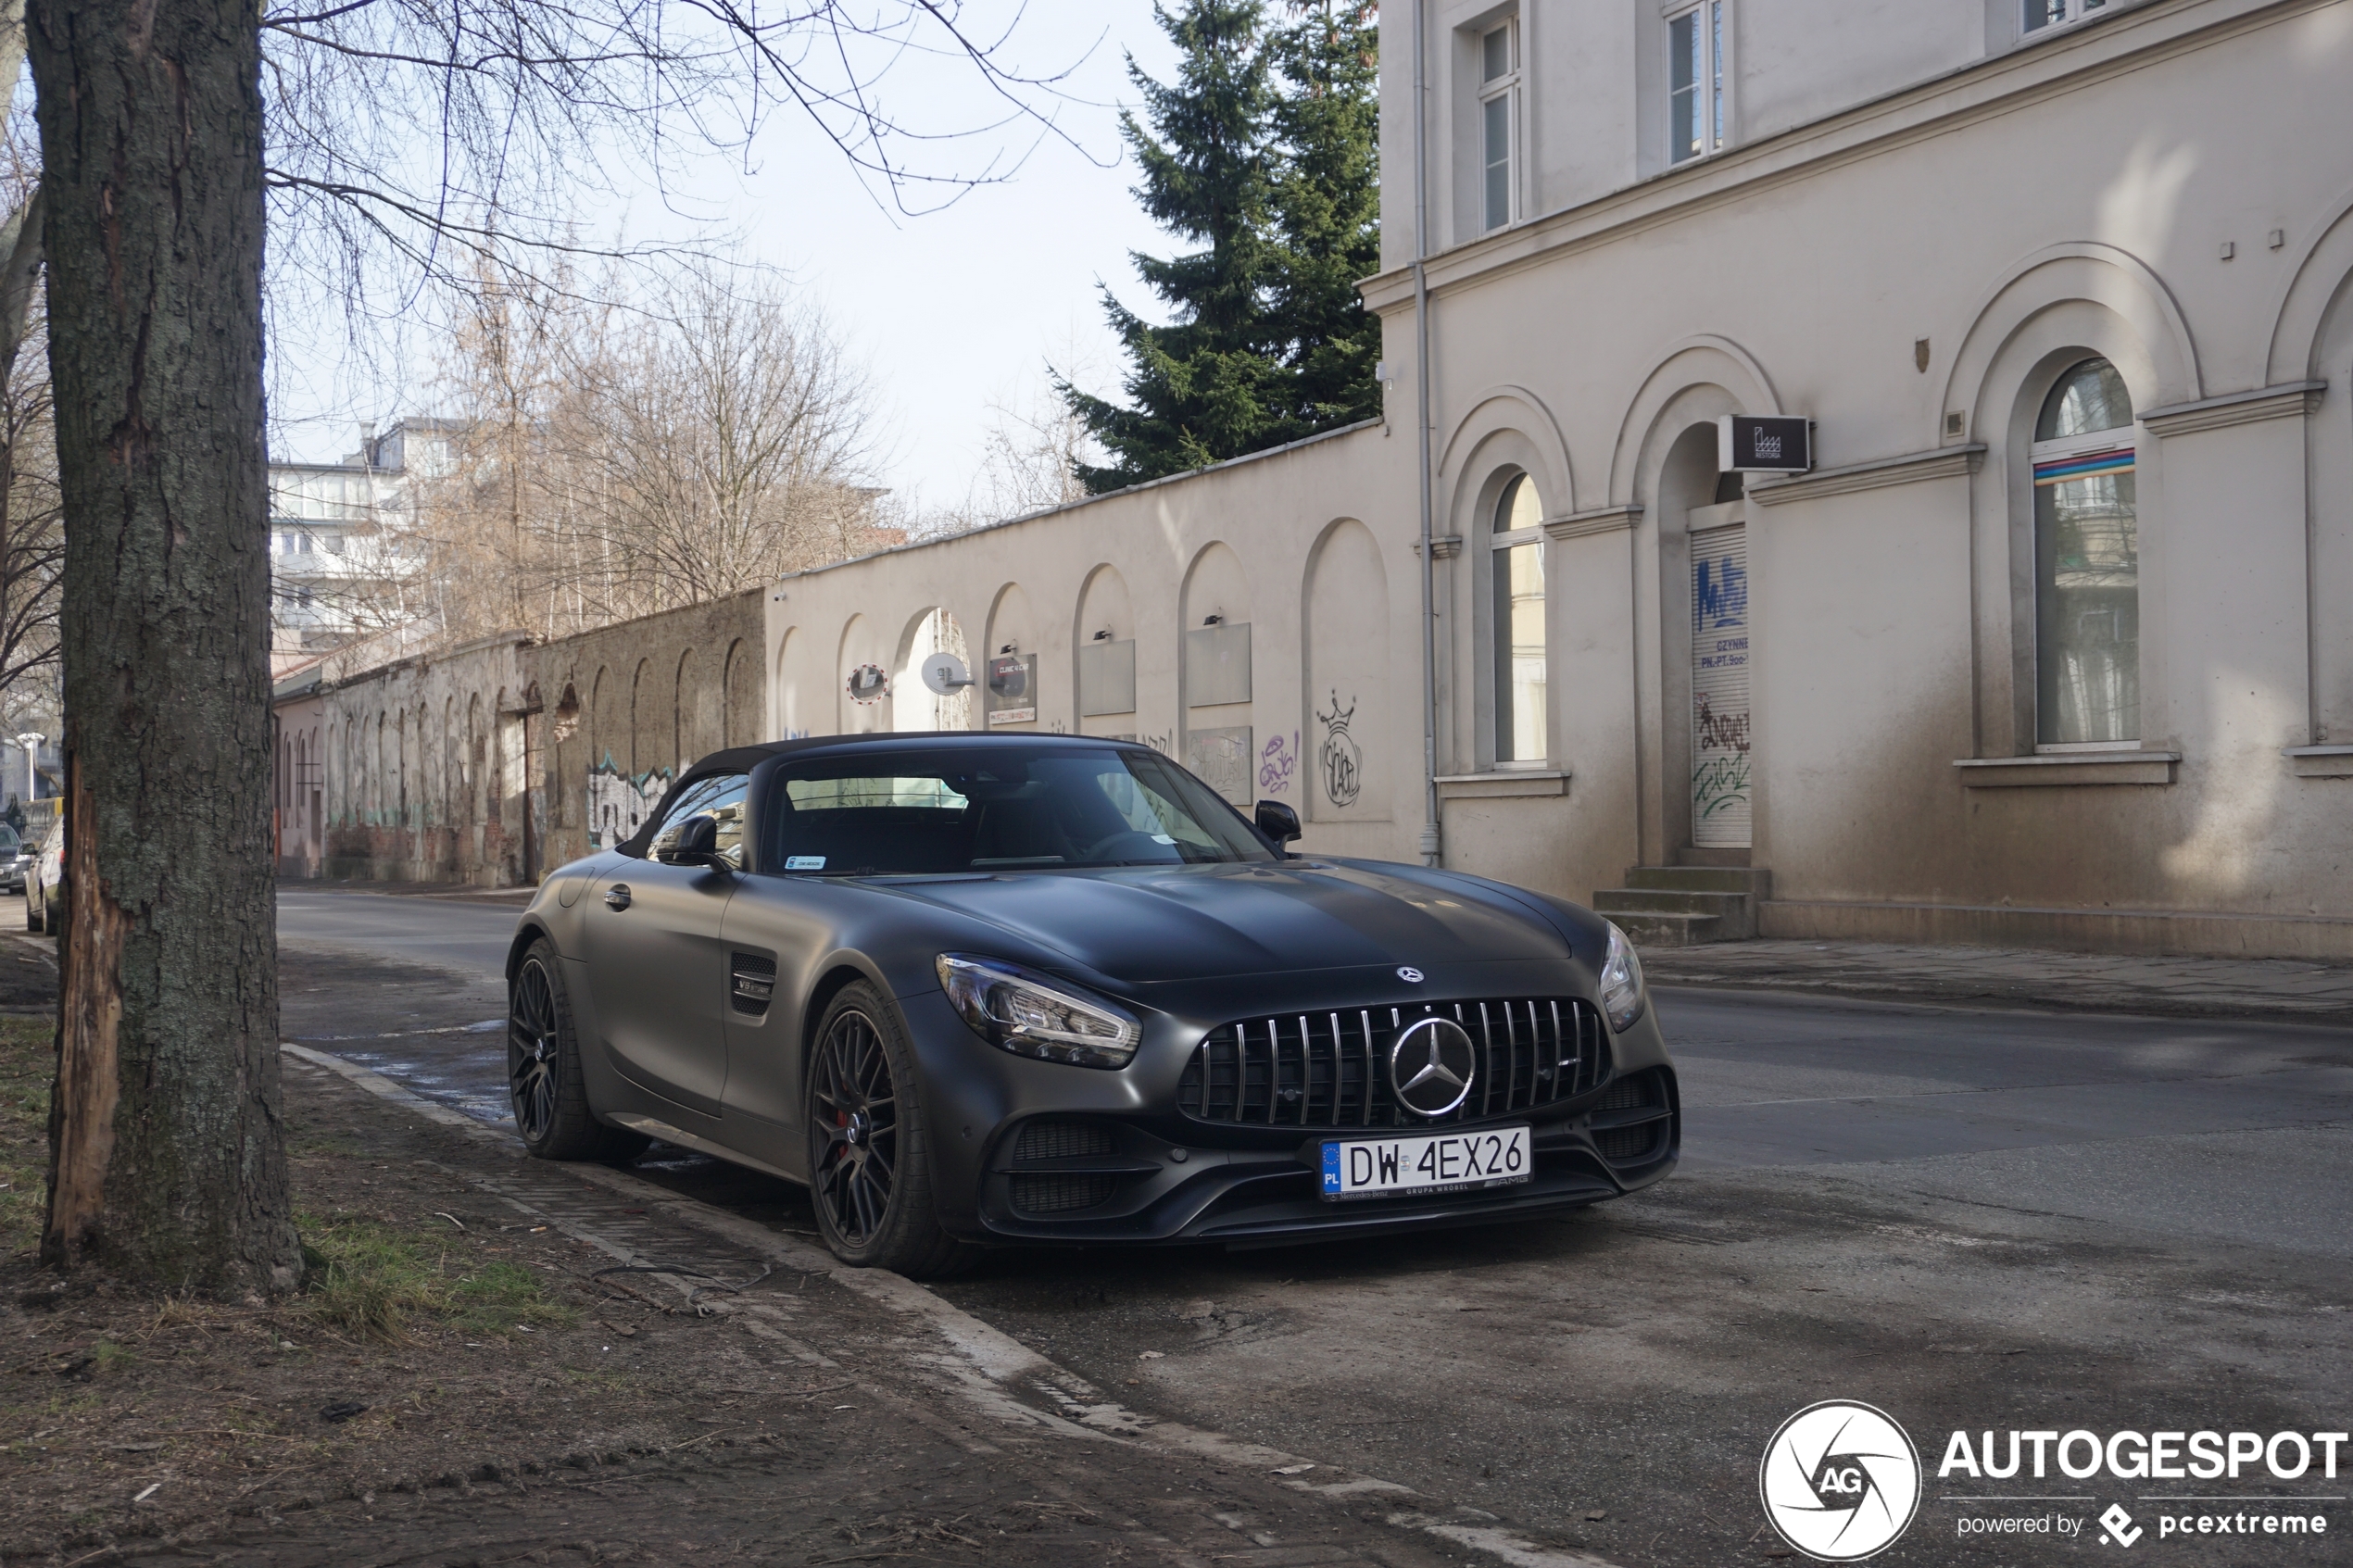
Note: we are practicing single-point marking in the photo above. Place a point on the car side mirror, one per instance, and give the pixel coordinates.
(696, 845)
(1278, 822)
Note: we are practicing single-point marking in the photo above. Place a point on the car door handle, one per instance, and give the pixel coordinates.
(617, 896)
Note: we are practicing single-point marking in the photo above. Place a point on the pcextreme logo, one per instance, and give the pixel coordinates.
(1840, 1481)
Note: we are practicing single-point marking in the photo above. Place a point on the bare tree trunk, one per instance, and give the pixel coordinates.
(168, 1161)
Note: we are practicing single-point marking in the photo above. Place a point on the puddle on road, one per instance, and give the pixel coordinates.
(471, 1078)
(470, 1075)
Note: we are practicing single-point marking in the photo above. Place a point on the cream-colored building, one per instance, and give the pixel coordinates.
(2053, 643)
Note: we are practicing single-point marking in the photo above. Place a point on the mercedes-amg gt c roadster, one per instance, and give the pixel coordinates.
(1039, 989)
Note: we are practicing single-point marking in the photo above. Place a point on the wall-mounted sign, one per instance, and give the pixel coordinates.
(1106, 678)
(1012, 689)
(1221, 758)
(1753, 444)
(1217, 664)
(868, 684)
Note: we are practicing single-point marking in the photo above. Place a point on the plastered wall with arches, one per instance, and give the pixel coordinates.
(495, 761)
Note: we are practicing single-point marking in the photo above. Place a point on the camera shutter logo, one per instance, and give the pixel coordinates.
(1840, 1481)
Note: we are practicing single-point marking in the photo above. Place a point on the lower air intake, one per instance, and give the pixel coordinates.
(1061, 1140)
(1637, 1092)
(1060, 1195)
(1619, 1145)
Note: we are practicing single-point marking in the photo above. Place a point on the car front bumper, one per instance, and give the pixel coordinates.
(1169, 1178)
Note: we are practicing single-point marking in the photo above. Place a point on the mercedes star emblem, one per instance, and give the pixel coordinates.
(1411, 975)
(1431, 1067)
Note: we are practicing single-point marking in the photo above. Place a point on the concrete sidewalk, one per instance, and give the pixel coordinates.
(2286, 990)
(464, 891)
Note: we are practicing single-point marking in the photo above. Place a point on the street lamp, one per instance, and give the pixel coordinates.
(31, 741)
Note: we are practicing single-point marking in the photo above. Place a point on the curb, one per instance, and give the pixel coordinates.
(1988, 1000)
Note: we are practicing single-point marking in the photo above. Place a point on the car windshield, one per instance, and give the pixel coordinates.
(9, 844)
(1005, 809)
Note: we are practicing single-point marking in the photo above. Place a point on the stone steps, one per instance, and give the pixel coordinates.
(1683, 906)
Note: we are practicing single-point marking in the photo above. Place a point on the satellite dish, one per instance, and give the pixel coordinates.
(944, 674)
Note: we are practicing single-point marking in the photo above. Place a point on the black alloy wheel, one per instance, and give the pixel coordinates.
(854, 1129)
(870, 1175)
(531, 1045)
(543, 1083)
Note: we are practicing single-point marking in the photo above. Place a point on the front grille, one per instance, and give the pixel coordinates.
(752, 981)
(1061, 1140)
(1059, 1195)
(1331, 1068)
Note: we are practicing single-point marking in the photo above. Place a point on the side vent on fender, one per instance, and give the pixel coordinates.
(751, 981)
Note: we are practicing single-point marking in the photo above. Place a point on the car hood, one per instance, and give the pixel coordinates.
(1148, 924)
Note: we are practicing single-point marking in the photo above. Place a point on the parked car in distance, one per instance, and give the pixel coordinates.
(15, 856)
(44, 881)
(983, 990)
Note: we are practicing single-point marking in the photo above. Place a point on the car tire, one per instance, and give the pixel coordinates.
(544, 1083)
(31, 913)
(872, 1180)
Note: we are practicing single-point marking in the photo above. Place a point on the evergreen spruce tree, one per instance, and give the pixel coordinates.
(1270, 341)
(1326, 210)
(1207, 386)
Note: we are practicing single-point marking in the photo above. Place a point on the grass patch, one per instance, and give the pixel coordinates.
(372, 1281)
(27, 1067)
(330, 1145)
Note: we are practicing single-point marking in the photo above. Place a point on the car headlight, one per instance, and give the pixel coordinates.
(1029, 1016)
(1622, 994)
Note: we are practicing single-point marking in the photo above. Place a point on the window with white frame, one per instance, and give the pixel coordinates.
(1516, 541)
(2041, 14)
(1695, 80)
(1498, 121)
(2087, 564)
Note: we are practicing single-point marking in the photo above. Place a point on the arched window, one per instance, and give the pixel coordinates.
(2087, 573)
(1517, 544)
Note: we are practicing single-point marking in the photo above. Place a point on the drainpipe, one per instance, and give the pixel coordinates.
(1431, 847)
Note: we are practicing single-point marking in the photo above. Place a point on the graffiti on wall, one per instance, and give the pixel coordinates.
(1341, 762)
(1720, 716)
(619, 802)
(1719, 786)
(1276, 763)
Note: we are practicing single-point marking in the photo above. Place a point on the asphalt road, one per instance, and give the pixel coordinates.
(465, 933)
(1973, 1219)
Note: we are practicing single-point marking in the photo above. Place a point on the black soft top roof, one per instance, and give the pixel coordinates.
(743, 758)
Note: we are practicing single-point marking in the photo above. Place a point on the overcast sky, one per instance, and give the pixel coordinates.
(949, 310)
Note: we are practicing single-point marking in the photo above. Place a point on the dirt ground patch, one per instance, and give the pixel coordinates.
(28, 968)
(465, 1383)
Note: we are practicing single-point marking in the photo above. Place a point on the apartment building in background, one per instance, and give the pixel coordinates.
(337, 565)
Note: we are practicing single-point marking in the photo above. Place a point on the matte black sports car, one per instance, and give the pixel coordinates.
(1039, 989)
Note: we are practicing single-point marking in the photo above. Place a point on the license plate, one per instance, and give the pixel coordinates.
(1491, 1156)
